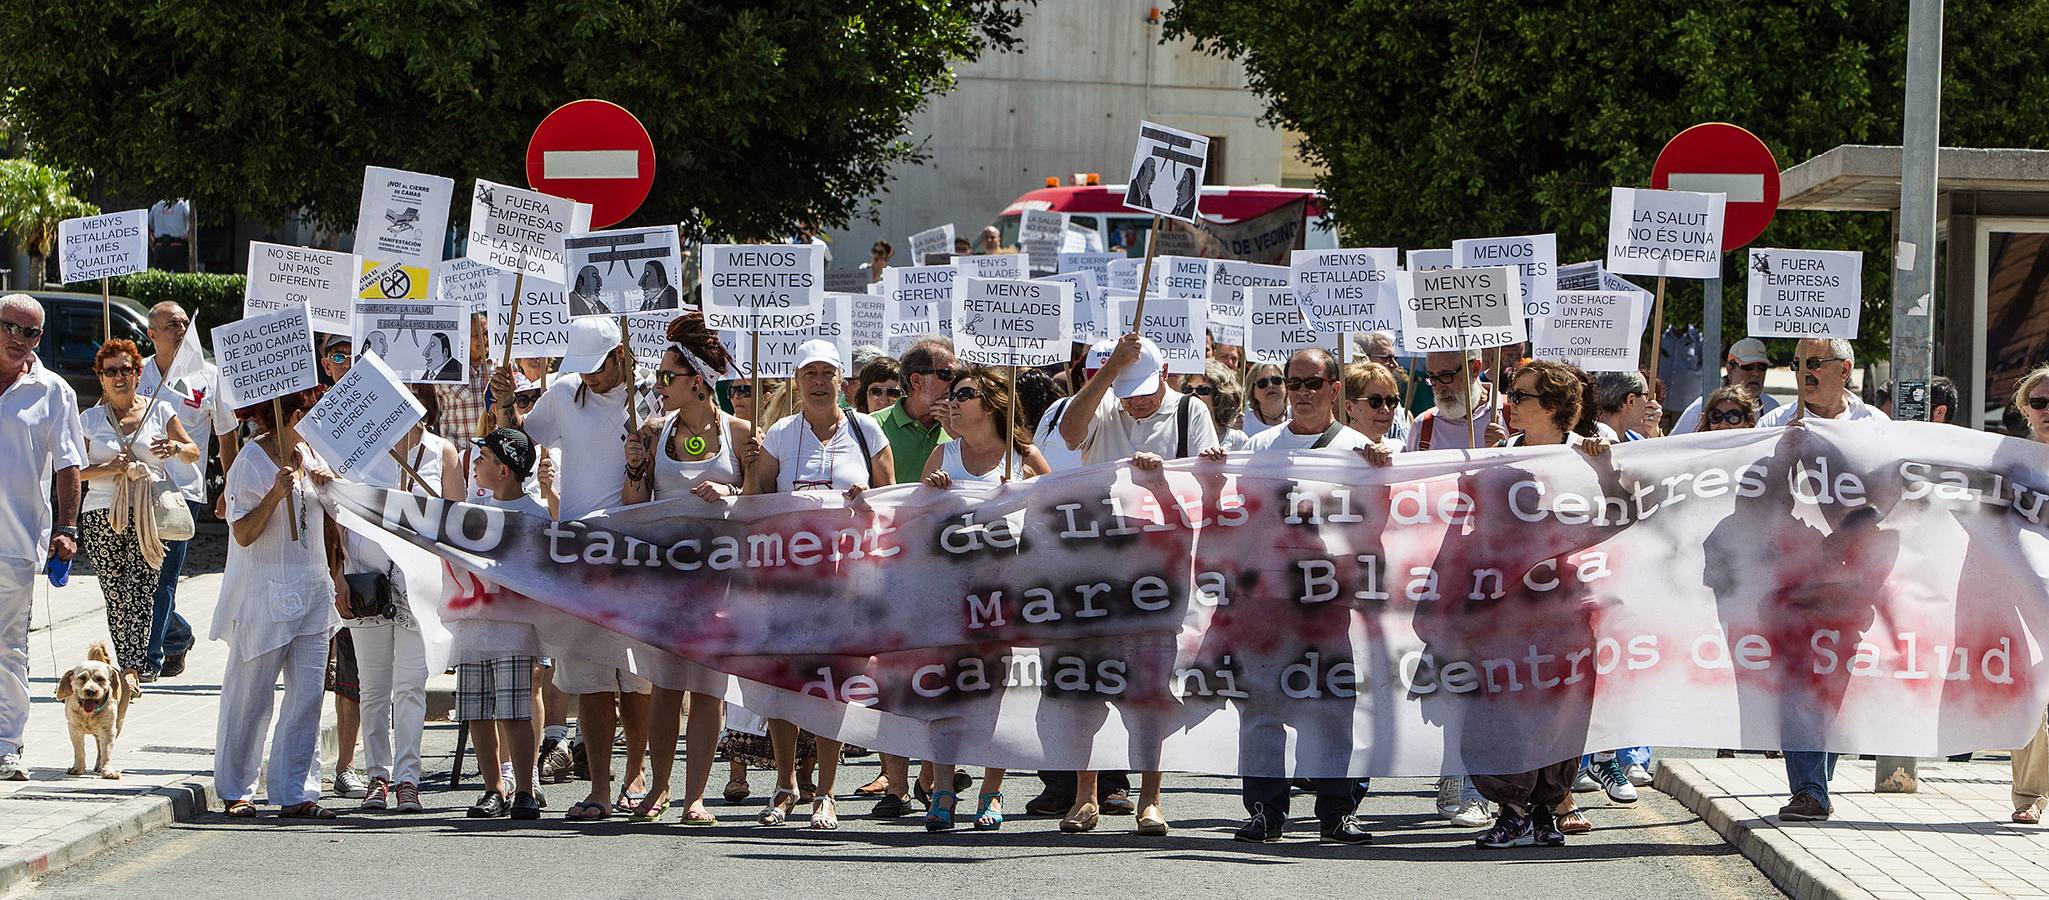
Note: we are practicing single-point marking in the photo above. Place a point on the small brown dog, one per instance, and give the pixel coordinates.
(96, 696)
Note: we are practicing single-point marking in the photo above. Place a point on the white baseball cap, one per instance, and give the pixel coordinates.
(817, 351)
(1748, 350)
(1142, 379)
(591, 339)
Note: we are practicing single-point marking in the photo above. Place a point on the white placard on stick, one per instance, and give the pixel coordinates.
(936, 240)
(1174, 323)
(1425, 260)
(763, 287)
(1805, 293)
(360, 418)
(102, 246)
(1166, 172)
(422, 341)
(1096, 264)
(514, 229)
(1089, 321)
(403, 217)
(1228, 282)
(1349, 290)
(1598, 331)
(1040, 232)
(1672, 233)
(867, 319)
(1008, 322)
(779, 350)
(470, 282)
(1533, 256)
(625, 270)
(543, 319)
(1181, 276)
(1275, 327)
(994, 265)
(1123, 273)
(1460, 309)
(266, 355)
(647, 334)
(281, 277)
(915, 301)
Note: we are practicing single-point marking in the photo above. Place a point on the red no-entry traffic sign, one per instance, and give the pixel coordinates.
(595, 152)
(1720, 158)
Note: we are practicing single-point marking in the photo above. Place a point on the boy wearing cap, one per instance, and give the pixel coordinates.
(496, 696)
(1745, 368)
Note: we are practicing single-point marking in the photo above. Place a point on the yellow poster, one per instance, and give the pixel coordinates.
(392, 281)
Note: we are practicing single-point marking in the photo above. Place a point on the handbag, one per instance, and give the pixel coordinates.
(370, 596)
(173, 516)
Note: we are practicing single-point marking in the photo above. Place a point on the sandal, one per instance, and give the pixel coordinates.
(824, 814)
(988, 811)
(1574, 822)
(940, 818)
(307, 810)
(2027, 816)
(737, 790)
(240, 809)
(875, 788)
(649, 810)
(695, 816)
(778, 810)
(628, 802)
(587, 811)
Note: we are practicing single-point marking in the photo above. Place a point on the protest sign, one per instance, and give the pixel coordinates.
(1598, 331)
(102, 246)
(1166, 172)
(1228, 282)
(360, 418)
(470, 282)
(1181, 276)
(543, 319)
(1382, 621)
(647, 334)
(1805, 293)
(1425, 260)
(1090, 319)
(1459, 309)
(265, 355)
(281, 277)
(1589, 276)
(1275, 327)
(627, 270)
(1666, 233)
(916, 301)
(846, 281)
(1347, 291)
(1122, 273)
(932, 241)
(779, 350)
(403, 217)
(425, 341)
(1174, 323)
(1039, 234)
(1079, 238)
(867, 319)
(763, 287)
(1008, 322)
(994, 265)
(522, 231)
(1096, 264)
(1533, 256)
(392, 281)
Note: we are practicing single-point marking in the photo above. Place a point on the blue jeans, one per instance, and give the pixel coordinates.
(1630, 756)
(1809, 771)
(169, 633)
(1336, 798)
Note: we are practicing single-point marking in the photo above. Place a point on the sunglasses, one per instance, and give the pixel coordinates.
(1199, 390)
(741, 389)
(1815, 362)
(1520, 397)
(1385, 359)
(946, 375)
(1754, 368)
(338, 358)
(1444, 377)
(890, 392)
(2038, 403)
(664, 377)
(120, 372)
(1312, 383)
(526, 398)
(964, 393)
(29, 332)
(1380, 401)
(1738, 417)
(1270, 381)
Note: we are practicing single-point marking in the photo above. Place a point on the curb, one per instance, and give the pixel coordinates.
(1802, 875)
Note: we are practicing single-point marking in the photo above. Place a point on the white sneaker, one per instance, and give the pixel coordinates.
(1615, 781)
(1472, 813)
(11, 768)
(1449, 792)
(1639, 776)
(1584, 783)
(351, 784)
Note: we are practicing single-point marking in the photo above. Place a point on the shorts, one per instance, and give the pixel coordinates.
(495, 690)
(574, 676)
(342, 679)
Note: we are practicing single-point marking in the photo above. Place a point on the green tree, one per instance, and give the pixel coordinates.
(1442, 119)
(34, 199)
(764, 113)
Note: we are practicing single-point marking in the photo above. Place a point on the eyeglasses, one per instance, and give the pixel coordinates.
(1813, 363)
(1443, 377)
(1312, 383)
(740, 389)
(1270, 381)
(1520, 397)
(338, 357)
(1380, 401)
(1739, 417)
(1385, 359)
(1199, 390)
(120, 372)
(27, 332)
(526, 398)
(1754, 368)
(876, 390)
(964, 393)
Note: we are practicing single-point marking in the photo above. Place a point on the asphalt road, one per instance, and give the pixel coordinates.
(1654, 848)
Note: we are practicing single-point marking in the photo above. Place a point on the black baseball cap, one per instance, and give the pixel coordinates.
(513, 447)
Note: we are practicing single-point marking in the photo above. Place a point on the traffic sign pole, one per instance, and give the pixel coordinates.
(1711, 334)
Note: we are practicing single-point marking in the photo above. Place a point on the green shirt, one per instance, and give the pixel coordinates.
(909, 441)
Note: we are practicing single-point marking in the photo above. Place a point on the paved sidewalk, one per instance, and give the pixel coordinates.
(1950, 839)
(165, 753)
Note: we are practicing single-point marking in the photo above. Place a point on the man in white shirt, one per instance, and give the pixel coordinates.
(1445, 426)
(1123, 410)
(193, 396)
(1745, 368)
(1313, 384)
(41, 439)
(1824, 370)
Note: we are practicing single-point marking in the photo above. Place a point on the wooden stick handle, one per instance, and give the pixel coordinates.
(1145, 274)
(277, 431)
(106, 312)
(632, 388)
(407, 468)
(754, 373)
(487, 419)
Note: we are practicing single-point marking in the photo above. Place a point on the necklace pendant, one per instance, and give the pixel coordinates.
(694, 445)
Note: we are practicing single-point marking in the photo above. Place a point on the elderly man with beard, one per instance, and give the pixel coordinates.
(1446, 425)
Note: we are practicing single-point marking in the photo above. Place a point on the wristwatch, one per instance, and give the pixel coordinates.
(67, 530)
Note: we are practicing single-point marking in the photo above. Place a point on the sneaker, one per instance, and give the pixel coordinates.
(1450, 797)
(1259, 829)
(351, 784)
(146, 677)
(490, 806)
(409, 798)
(1639, 776)
(1544, 827)
(1510, 830)
(1805, 808)
(1472, 813)
(1615, 781)
(555, 762)
(11, 768)
(1584, 782)
(527, 807)
(1346, 831)
(378, 796)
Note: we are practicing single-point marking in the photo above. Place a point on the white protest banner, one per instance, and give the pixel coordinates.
(1089, 322)
(281, 277)
(1533, 256)
(1425, 260)
(1007, 322)
(470, 282)
(1805, 293)
(360, 418)
(1166, 172)
(647, 334)
(931, 242)
(1228, 282)
(1598, 331)
(520, 230)
(1080, 238)
(763, 287)
(916, 301)
(102, 246)
(994, 265)
(1348, 290)
(543, 319)
(868, 319)
(1174, 323)
(1275, 327)
(423, 341)
(779, 353)
(626, 270)
(403, 216)
(1672, 233)
(265, 355)
(1039, 233)
(1459, 309)
(1122, 273)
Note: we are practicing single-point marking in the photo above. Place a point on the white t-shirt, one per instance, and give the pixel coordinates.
(1047, 438)
(524, 504)
(1854, 410)
(590, 470)
(1283, 438)
(1114, 434)
(1689, 421)
(103, 443)
(1253, 425)
(39, 434)
(805, 463)
(197, 402)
